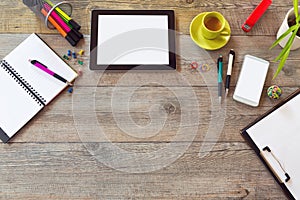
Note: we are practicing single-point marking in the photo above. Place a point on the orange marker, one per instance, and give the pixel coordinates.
(60, 30)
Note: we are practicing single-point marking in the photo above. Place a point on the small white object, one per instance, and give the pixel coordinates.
(251, 80)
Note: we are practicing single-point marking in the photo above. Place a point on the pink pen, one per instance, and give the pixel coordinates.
(48, 71)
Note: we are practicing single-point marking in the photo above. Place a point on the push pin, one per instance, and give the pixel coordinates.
(70, 90)
(74, 55)
(69, 53)
(66, 57)
(81, 52)
(80, 62)
(79, 72)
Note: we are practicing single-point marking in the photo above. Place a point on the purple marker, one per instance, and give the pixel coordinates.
(48, 71)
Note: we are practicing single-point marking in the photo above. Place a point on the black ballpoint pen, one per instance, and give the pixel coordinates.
(229, 70)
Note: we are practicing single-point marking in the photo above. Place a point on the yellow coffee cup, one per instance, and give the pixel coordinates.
(213, 25)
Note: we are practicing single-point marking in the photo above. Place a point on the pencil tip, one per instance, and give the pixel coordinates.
(70, 84)
(226, 92)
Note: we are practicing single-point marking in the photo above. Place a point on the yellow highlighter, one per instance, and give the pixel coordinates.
(64, 16)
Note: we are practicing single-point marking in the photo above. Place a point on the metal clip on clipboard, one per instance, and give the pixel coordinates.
(275, 165)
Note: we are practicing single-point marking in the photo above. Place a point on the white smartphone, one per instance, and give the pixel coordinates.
(251, 80)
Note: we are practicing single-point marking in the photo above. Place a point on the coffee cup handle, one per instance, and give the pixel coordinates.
(226, 32)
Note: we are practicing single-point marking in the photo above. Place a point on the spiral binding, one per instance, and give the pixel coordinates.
(23, 83)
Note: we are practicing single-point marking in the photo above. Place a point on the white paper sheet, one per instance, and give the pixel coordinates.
(280, 131)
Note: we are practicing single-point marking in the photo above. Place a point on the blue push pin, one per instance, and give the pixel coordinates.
(69, 53)
(70, 90)
(74, 55)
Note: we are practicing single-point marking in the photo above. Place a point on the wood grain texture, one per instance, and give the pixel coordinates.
(235, 12)
(52, 156)
(68, 171)
(187, 52)
(71, 113)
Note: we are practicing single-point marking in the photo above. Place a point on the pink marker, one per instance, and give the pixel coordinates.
(57, 18)
(48, 71)
(72, 33)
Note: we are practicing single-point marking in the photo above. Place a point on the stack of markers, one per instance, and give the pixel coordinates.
(65, 25)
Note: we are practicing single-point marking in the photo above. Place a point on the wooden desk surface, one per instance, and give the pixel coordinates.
(51, 157)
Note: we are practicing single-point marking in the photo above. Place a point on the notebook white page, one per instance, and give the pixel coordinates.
(35, 49)
(17, 107)
(280, 130)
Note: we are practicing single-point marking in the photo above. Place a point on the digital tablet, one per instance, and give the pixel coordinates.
(132, 39)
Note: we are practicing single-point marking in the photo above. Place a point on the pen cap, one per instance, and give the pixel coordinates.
(62, 8)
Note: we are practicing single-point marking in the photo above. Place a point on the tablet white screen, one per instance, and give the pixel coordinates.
(133, 39)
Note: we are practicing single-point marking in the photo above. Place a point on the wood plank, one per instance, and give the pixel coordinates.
(44, 127)
(70, 117)
(236, 13)
(69, 171)
(58, 154)
(187, 53)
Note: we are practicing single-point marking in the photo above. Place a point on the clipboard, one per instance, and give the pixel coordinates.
(275, 138)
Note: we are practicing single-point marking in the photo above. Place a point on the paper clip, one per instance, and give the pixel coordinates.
(205, 68)
(194, 65)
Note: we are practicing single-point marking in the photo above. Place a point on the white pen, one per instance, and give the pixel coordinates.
(229, 70)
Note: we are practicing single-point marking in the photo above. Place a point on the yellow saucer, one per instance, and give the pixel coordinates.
(204, 43)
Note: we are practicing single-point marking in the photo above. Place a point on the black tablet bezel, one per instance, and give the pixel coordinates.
(94, 40)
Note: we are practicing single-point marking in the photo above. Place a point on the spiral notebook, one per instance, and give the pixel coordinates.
(25, 89)
(275, 137)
